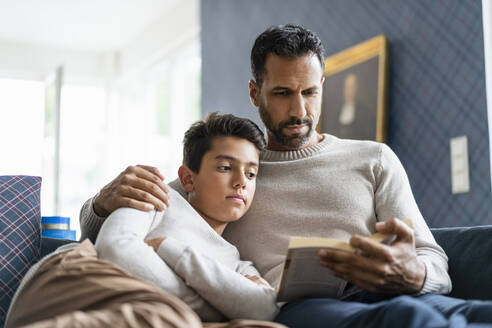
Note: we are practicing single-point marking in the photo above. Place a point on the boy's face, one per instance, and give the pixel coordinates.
(223, 189)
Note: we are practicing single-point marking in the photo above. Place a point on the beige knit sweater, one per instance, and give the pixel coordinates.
(335, 189)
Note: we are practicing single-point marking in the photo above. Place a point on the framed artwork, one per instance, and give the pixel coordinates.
(355, 92)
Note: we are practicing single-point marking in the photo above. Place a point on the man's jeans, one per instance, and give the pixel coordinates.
(375, 310)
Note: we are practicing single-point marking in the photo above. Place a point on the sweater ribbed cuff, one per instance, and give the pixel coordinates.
(90, 222)
(170, 250)
(94, 221)
(433, 283)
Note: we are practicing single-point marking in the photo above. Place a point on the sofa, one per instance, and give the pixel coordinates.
(469, 248)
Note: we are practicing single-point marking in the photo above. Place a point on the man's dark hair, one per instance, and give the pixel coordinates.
(290, 41)
(198, 139)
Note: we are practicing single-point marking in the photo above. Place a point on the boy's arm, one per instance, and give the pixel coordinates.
(121, 241)
(228, 291)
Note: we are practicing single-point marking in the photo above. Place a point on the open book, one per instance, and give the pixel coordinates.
(304, 277)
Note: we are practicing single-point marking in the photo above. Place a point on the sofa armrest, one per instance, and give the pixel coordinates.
(469, 250)
(48, 245)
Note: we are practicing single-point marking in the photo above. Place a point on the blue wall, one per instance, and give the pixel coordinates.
(436, 81)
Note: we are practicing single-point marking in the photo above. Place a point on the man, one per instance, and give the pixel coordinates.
(318, 185)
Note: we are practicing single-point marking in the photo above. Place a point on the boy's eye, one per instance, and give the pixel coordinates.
(251, 175)
(224, 168)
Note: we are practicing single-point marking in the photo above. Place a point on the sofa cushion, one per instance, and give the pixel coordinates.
(19, 233)
(49, 245)
(469, 250)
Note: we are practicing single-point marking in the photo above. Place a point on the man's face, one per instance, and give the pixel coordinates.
(225, 185)
(289, 100)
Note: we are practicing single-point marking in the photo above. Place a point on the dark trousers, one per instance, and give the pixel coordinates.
(375, 310)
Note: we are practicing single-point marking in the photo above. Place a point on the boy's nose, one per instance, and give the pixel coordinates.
(239, 181)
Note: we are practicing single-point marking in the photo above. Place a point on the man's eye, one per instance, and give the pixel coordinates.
(224, 168)
(281, 93)
(310, 92)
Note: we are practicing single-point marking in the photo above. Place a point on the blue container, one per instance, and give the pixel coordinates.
(55, 223)
(58, 234)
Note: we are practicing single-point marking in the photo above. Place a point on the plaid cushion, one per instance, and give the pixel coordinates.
(19, 233)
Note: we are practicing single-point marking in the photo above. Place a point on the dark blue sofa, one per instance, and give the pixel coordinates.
(469, 250)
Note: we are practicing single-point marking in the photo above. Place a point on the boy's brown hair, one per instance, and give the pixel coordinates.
(198, 139)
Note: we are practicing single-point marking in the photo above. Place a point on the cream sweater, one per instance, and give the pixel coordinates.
(335, 189)
(193, 263)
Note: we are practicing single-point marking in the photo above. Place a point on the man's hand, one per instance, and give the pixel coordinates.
(140, 187)
(155, 243)
(382, 268)
(257, 280)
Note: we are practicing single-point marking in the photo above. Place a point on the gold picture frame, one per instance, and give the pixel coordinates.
(355, 92)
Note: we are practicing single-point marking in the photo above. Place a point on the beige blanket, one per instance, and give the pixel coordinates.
(76, 289)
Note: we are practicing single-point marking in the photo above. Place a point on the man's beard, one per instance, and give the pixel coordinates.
(294, 141)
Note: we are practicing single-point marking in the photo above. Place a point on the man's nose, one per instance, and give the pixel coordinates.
(297, 107)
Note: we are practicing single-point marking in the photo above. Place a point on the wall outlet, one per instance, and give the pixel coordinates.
(460, 177)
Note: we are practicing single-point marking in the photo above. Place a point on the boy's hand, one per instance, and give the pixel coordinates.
(154, 243)
(257, 280)
(141, 187)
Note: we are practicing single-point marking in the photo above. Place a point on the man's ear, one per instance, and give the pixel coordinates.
(254, 93)
(186, 178)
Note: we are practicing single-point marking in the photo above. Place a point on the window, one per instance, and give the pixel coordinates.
(21, 131)
(82, 148)
(137, 120)
(154, 110)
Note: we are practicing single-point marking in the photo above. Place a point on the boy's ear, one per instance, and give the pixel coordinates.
(186, 178)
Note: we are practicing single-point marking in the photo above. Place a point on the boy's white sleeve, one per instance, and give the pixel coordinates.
(228, 291)
(247, 267)
(121, 241)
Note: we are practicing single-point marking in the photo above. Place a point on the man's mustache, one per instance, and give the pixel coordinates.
(296, 121)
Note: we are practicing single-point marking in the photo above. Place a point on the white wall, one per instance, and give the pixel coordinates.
(35, 62)
(177, 27)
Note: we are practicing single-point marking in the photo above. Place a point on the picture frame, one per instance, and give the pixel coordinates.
(355, 92)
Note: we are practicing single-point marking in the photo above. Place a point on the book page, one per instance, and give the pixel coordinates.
(304, 277)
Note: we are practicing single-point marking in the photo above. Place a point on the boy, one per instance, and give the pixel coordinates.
(188, 257)
(191, 260)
